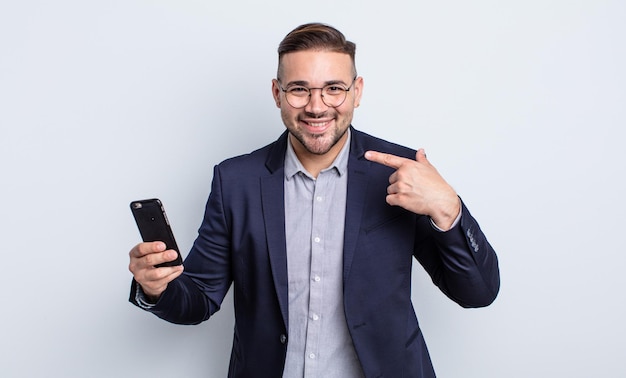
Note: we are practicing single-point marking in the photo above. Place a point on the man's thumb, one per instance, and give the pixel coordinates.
(420, 156)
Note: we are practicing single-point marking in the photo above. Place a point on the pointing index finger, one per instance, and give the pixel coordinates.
(389, 160)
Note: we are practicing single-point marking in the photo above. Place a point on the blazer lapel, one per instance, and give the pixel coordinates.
(272, 197)
(357, 188)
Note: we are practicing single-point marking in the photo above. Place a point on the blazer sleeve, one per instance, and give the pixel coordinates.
(198, 293)
(462, 263)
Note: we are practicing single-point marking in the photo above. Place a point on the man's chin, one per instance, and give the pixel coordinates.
(317, 149)
(320, 144)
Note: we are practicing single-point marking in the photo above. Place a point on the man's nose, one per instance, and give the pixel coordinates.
(316, 100)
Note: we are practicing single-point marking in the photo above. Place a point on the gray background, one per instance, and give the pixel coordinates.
(519, 104)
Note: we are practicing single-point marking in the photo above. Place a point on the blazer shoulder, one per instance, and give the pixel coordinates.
(269, 157)
(364, 142)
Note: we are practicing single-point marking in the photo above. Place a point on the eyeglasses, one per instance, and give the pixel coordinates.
(333, 95)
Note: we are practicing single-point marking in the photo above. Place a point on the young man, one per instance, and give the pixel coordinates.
(318, 231)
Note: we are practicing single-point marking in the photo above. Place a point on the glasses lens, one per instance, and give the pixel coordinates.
(298, 97)
(334, 95)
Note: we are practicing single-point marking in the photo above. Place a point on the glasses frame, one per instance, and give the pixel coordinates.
(310, 90)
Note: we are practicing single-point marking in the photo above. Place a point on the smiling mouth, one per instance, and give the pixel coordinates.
(317, 124)
(316, 128)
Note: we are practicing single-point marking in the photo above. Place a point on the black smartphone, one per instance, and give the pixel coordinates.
(154, 226)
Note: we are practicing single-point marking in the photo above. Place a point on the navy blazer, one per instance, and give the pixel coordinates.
(242, 241)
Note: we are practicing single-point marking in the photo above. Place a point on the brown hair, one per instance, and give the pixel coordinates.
(316, 36)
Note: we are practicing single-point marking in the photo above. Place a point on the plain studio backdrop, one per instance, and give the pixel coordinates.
(520, 105)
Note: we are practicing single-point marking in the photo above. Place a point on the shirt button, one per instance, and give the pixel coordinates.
(319, 198)
(283, 338)
(315, 317)
(312, 355)
(317, 279)
(317, 239)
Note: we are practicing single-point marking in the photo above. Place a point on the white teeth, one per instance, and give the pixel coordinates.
(318, 124)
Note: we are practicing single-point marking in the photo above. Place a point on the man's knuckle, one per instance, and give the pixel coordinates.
(149, 260)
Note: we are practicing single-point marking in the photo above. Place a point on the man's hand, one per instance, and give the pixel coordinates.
(418, 187)
(153, 281)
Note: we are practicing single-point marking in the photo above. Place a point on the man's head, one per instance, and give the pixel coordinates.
(317, 88)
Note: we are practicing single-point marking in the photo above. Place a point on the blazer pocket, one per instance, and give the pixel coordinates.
(381, 223)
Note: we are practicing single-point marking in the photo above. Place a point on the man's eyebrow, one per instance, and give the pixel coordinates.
(333, 82)
(300, 83)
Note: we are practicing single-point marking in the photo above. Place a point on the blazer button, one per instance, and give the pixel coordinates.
(283, 338)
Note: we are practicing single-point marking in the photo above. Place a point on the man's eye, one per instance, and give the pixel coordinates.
(334, 89)
(298, 90)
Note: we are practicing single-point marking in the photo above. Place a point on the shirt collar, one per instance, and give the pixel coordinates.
(293, 165)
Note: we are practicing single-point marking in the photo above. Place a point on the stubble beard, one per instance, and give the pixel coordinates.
(318, 144)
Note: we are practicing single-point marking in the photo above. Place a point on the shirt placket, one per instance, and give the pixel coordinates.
(317, 277)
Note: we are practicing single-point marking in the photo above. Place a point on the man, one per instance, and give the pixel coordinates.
(318, 231)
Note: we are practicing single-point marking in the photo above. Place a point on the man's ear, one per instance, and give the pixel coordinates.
(276, 92)
(358, 91)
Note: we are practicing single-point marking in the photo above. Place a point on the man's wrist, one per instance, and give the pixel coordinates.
(144, 300)
(442, 226)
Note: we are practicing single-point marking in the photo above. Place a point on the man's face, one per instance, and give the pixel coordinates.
(317, 128)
